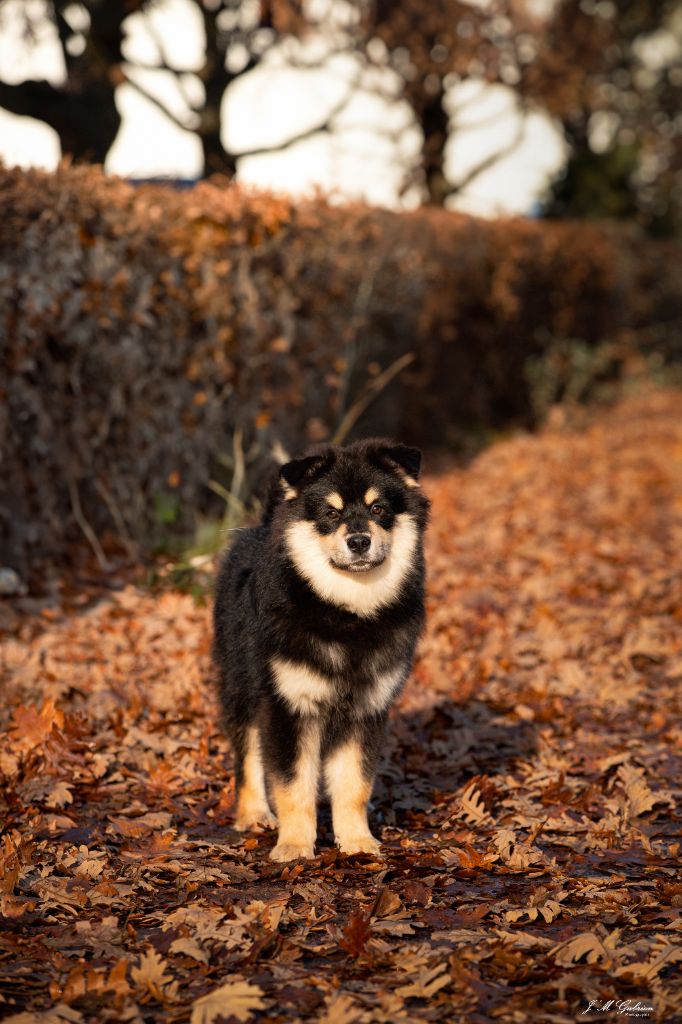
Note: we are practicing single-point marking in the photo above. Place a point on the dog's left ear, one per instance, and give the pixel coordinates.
(303, 471)
(404, 457)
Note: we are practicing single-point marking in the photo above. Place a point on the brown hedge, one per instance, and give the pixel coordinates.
(142, 326)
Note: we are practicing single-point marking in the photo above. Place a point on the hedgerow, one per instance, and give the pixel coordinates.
(157, 344)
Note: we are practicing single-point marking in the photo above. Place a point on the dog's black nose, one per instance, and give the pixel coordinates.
(358, 542)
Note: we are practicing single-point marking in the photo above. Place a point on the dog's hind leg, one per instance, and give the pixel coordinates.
(253, 810)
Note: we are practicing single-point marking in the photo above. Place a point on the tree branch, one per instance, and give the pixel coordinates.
(64, 33)
(156, 102)
(372, 390)
(137, 65)
(489, 161)
(161, 50)
(323, 126)
(28, 97)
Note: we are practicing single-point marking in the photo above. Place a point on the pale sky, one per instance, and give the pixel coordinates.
(273, 102)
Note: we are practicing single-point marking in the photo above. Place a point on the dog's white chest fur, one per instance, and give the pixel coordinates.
(306, 691)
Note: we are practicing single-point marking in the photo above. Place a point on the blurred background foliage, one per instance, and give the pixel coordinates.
(163, 347)
(607, 72)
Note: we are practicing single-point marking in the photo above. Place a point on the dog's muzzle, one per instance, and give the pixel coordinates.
(358, 555)
(358, 543)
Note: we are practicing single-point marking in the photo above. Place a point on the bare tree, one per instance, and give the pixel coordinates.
(609, 73)
(431, 45)
(92, 35)
(423, 45)
(83, 109)
(238, 36)
(579, 62)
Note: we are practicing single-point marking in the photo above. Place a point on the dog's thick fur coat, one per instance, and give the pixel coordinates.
(317, 615)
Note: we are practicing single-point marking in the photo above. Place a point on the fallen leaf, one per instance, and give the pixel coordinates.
(235, 999)
(340, 1010)
(189, 947)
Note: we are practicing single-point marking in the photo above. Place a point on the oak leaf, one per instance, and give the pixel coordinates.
(473, 806)
(235, 999)
(59, 796)
(59, 1014)
(587, 945)
(640, 798)
(150, 976)
(189, 947)
(341, 1010)
(30, 727)
(428, 984)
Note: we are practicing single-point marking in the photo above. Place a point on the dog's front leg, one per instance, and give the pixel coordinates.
(252, 802)
(295, 795)
(349, 781)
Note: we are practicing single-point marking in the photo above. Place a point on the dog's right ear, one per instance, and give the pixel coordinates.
(299, 472)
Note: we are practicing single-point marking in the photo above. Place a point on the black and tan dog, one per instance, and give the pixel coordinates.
(318, 611)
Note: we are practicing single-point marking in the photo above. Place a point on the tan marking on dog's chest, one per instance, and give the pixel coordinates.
(383, 689)
(302, 688)
(332, 653)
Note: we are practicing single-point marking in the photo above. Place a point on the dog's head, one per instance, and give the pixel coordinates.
(354, 512)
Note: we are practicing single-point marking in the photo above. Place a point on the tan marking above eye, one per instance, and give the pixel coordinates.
(335, 500)
(371, 495)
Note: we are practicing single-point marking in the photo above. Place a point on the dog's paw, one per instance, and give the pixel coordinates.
(291, 851)
(359, 844)
(257, 820)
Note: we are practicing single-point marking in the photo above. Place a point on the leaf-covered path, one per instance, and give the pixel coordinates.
(529, 804)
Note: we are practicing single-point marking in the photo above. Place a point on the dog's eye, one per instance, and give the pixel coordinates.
(333, 513)
(377, 510)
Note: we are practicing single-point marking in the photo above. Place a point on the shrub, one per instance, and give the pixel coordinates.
(143, 329)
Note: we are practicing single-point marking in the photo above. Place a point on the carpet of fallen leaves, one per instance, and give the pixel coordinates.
(528, 805)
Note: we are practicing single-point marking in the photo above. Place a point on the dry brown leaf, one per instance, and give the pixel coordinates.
(427, 985)
(59, 795)
(151, 976)
(587, 945)
(340, 1010)
(31, 727)
(235, 999)
(60, 1014)
(640, 798)
(16, 906)
(473, 807)
(189, 947)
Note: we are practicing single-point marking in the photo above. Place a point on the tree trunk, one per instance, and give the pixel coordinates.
(216, 159)
(435, 125)
(215, 78)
